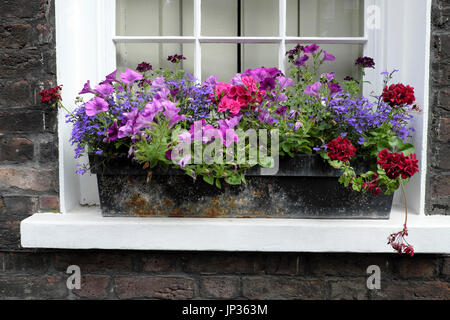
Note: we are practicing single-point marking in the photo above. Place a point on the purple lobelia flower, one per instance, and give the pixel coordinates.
(301, 61)
(96, 105)
(130, 76)
(328, 56)
(311, 48)
(313, 89)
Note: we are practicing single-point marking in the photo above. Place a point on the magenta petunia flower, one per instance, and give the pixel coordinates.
(86, 88)
(130, 76)
(328, 56)
(284, 82)
(96, 105)
(104, 90)
(110, 78)
(311, 49)
(313, 89)
(301, 61)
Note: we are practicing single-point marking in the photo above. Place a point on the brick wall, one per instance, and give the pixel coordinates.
(438, 183)
(28, 183)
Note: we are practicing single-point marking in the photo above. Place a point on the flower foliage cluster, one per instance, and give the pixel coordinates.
(148, 113)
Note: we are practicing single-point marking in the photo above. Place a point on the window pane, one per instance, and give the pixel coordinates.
(219, 59)
(222, 59)
(129, 55)
(344, 66)
(325, 18)
(252, 18)
(154, 18)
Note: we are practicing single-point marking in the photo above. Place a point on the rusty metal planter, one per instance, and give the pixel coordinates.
(304, 187)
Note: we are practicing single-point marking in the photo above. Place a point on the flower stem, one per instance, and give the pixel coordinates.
(406, 203)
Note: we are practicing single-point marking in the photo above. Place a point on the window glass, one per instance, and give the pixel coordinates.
(251, 18)
(129, 55)
(154, 18)
(325, 18)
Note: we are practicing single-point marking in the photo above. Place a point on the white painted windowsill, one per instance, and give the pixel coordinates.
(85, 228)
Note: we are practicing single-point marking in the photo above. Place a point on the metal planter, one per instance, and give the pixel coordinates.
(304, 187)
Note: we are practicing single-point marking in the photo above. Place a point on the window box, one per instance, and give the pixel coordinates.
(304, 187)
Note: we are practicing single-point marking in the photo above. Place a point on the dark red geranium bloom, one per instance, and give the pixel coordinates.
(372, 186)
(144, 66)
(397, 164)
(398, 242)
(51, 95)
(398, 95)
(365, 62)
(176, 58)
(341, 149)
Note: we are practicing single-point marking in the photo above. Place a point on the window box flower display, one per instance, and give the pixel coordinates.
(263, 144)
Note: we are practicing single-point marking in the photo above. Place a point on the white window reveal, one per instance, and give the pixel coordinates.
(224, 37)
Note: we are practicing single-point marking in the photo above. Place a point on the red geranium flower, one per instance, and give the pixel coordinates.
(51, 95)
(398, 95)
(372, 186)
(341, 149)
(397, 164)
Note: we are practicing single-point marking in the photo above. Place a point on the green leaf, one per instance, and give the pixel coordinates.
(209, 179)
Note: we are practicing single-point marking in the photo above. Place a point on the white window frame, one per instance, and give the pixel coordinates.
(85, 44)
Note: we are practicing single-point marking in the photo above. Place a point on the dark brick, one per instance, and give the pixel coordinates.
(15, 93)
(446, 267)
(15, 35)
(49, 203)
(14, 286)
(16, 150)
(344, 265)
(22, 64)
(28, 179)
(13, 210)
(444, 99)
(406, 290)
(441, 187)
(20, 262)
(418, 267)
(444, 130)
(19, 8)
(154, 287)
(93, 287)
(257, 288)
(355, 289)
(160, 262)
(48, 152)
(443, 157)
(216, 263)
(22, 121)
(96, 261)
(285, 263)
(219, 287)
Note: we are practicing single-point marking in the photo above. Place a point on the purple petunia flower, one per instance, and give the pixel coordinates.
(284, 82)
(104, 90)
(311, 49)
(96, 105)
(313, 89)
(87, 88)
(301, 61)
(334, 88)
(130, 76)
(110, 78)
(328, 56)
